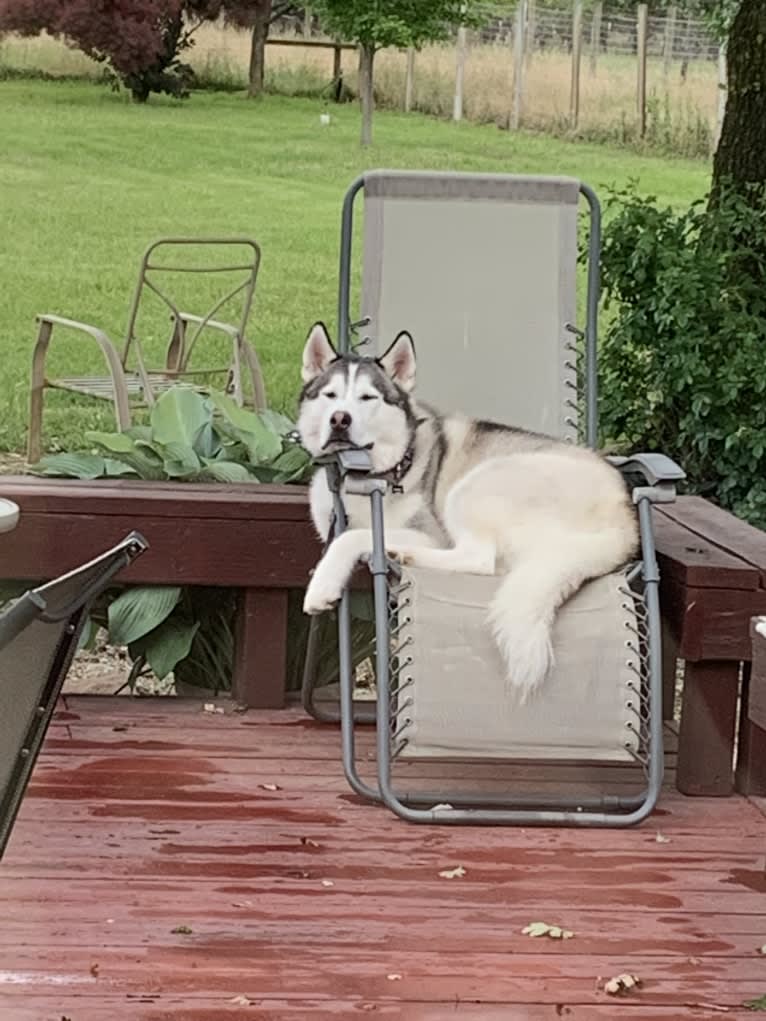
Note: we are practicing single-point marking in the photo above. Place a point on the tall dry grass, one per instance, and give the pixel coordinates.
(681, 111)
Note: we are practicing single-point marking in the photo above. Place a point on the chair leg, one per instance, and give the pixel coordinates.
(37, 394)
(260, 400)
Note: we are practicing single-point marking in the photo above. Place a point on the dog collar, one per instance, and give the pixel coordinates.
(396, 474)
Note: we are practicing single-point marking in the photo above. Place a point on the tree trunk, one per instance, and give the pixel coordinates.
(366, 60)
(740, 159)
(262, 11)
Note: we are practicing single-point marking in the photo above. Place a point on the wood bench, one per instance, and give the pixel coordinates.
(254, 538)
(713, 581)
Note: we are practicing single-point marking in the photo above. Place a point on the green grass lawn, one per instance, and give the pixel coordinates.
(87, 180)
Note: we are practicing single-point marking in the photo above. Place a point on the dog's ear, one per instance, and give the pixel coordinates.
(399, 361)
(317, 353)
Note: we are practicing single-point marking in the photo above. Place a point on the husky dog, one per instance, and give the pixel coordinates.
(469, 496)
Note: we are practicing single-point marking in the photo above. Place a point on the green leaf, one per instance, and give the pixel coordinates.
(139, 610)
(180, 461)
(759, 1004)
(279, 424)
(166, 645)
(115, 443)
(180, 416)
(226, 471)
(262, 444)
(116, 469)
(71, 466)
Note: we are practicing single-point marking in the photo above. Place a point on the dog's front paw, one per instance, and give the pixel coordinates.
(321, 595)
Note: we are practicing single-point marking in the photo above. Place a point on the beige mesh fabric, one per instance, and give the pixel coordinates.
(462, 707)
(480, 269)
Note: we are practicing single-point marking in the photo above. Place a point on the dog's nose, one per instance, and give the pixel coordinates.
(340, 420)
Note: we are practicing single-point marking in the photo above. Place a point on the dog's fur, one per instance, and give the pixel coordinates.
(473, 496)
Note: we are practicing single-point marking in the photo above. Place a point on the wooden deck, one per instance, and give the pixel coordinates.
(156, 875)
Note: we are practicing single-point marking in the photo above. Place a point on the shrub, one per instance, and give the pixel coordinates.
(682, 360)
(139, 42)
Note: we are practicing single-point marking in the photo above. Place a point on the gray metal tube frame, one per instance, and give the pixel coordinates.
(308, 689)
(472, 809)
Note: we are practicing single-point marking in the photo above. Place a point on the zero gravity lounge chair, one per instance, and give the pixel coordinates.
(39, 635)
(481, 270)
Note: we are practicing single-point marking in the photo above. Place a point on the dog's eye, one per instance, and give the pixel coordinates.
(330, 394)
(368, 397)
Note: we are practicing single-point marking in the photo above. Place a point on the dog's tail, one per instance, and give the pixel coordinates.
(539, 581)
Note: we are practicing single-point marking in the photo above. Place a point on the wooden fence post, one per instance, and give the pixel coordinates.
(574, 96)
(409, 81)
(643, 24)
(669, 41)
(307, 17)
(723, 85)
(595, 35)
(518, 66)
(529, 30)
(457, 106)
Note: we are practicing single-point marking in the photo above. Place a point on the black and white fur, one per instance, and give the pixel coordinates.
(471, 496)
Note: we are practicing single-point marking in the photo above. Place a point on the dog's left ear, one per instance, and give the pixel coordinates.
(318, 352)
(399, 361)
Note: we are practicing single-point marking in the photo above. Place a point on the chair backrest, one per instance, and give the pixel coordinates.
(212, 278)
(39, 635)
(482, 270)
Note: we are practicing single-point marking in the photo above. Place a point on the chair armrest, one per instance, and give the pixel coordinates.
(658, 474)
(214, 324)
(93, 331)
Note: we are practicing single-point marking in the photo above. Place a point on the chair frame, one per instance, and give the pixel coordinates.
(350, 471)
(121, 381)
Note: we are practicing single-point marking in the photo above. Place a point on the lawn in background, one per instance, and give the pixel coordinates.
(87, 179)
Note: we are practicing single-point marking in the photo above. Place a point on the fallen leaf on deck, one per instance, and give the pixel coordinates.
(208, 707)
(269, 787)
(242, 904)
(661, 839)
(394, 977)
(181, 930)
(535, 929)
(762, 950)
(327, 882)
(94, 970)
(456, 873)
(759, 1004)
(308, 842)
(241, 1001)
(622, 984)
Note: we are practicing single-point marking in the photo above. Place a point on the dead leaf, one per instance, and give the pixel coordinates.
(394, 977)
(269, 787)
(661, 839)
(624, 983)
(327, 882)
(94, 970)
(242, 904)
(535, 929)
(241, 1001)
(457, 873)
(694, 960)
(182, 930)
(762, 950)
(209, 707)
(308, 842)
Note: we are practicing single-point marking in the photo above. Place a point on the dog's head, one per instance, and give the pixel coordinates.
(364, 402)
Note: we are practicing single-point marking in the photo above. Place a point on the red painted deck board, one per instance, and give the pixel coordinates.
(148, 816)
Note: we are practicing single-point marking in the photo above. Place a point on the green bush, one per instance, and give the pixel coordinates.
(189, 631)
(682, 367)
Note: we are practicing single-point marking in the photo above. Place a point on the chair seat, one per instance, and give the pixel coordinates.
(102, 387)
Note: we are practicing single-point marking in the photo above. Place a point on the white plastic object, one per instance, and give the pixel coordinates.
(9, 515)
